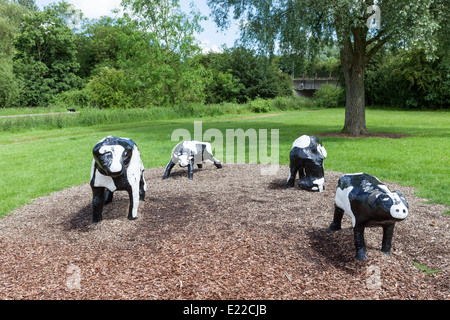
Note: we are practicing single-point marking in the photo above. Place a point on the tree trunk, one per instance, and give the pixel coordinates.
(353, 64)
(355, 108)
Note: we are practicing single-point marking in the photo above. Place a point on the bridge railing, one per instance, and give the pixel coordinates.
(317, 76)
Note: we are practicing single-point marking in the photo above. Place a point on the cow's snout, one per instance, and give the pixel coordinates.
(116, 167)
(112, 159)
(183, 160)
(399, 211)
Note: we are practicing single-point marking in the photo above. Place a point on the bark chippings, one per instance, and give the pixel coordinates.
(230, 233)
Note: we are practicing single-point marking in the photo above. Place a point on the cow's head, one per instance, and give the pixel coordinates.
(184, 159)
(394, 203)
(184, 152)
(399, 207)
(113, 155)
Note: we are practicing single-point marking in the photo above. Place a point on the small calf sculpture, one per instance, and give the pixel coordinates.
(306, 158)
(190, 152)
(117, 165)
(369, 203)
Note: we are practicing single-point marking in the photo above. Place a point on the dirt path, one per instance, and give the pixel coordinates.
(261, 116)
(38, 114)
(230, 233)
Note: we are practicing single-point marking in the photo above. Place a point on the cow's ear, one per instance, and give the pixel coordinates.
(374, 198)
(128, 152)
(402, 198)
(380, 199)
(385, 201)
(322, 150)
(96, 148)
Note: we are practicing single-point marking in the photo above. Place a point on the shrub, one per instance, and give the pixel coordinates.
(222, 87)
(328, 96)
(74, 98)
(291, 103)
(259, 105)
(108, 90)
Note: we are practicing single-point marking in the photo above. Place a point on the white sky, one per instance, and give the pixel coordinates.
(211, 38)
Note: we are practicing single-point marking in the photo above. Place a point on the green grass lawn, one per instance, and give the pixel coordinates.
(37, 162)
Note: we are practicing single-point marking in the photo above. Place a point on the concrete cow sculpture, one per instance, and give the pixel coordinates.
(306, 158)
(190, 152)
(117, 165)
(369, 203)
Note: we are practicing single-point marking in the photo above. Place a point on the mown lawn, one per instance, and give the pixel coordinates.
(37, 162)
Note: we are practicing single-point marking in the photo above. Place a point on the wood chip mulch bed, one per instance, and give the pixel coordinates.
(231, 233)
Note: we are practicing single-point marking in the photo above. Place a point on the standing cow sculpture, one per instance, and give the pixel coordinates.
(117, 165)
(306, 158)
(369, 203)
(190, 152)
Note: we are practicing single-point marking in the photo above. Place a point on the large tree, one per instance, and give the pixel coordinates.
(10, 19)
(302, 26)
(45, 57)
(165, 61)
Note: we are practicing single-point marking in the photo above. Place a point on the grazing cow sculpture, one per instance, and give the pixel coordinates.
(117, 165)
(190, 152)
(368, 203)
(306, 158)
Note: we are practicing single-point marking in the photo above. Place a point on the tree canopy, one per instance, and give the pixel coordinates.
(45, 58)
(388, 52)
(239, 75)
(303, 26)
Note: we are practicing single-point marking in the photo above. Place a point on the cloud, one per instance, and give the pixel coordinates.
(210, 39)
(207, 47)
(95, 9)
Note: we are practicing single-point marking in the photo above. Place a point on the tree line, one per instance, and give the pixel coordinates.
(149, 56)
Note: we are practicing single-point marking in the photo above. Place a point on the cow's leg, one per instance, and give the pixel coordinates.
(108, 196)
(169, 167)
(360, 245)
(301, 172)
(98, 199)
(133, 192)
(290, 183)
(191, 169)
(307, 176)
(337, 219)
(388, 232)
(207, 156)
(142, 186)
(217, 163)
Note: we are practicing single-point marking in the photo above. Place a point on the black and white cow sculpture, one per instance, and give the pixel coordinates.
(306, 158)
(117, 165)
(190, 152)
(369, 203)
